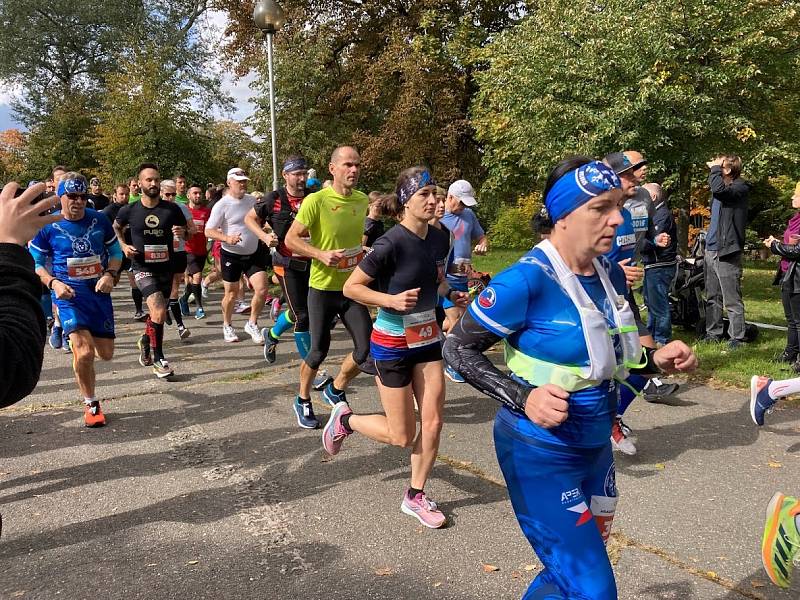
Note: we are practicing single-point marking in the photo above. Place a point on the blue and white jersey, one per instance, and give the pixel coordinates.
(79, 249)
(527, 307)
(624, 239)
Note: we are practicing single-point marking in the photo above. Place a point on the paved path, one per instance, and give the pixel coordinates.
(204, 487)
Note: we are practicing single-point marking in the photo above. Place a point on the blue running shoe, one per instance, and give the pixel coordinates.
(56, 337)
(452, 375)
(184, 304)
(305, 414)
(322, 380)
(760, 401)
(331, 398)
(199, 313)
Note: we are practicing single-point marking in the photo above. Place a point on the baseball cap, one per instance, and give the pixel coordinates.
(620, 163)
(237, 174)
(462, 189)
(94, 181)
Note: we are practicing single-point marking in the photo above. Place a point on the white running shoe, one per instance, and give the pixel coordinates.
(254, 332)
(229, 334)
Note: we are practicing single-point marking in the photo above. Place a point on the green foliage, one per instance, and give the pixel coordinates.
(682, 83)
(512, 228)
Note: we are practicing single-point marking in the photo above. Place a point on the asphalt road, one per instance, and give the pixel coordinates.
(204, 487)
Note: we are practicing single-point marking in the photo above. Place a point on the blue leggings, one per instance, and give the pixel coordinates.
(564, 499)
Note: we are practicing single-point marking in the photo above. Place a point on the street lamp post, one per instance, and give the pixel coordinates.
(269, 18)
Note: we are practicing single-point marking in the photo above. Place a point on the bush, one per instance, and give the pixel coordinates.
(512, 229)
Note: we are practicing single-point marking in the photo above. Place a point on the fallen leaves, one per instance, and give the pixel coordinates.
(774, 464)
(487, 568)
(384, 571)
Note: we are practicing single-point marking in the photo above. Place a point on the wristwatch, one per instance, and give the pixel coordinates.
(112, 272)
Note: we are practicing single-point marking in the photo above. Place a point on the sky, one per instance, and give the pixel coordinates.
(213, 27)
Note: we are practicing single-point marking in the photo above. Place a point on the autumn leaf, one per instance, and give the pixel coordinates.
(487, 568)
(384, 571)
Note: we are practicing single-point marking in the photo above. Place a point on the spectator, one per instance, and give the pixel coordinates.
(724, 246)
(789, 278)
(22, 323)
(660, 260)
(96, 196)
(312, 183)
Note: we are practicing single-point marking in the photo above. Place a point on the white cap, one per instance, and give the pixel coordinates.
(237, 174)
(462, 189)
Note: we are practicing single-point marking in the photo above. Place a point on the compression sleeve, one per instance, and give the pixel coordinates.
(114, 251)
(39, 257)
(649, 368)
(463, 351)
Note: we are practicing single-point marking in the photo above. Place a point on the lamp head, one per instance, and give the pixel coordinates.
(268, 16)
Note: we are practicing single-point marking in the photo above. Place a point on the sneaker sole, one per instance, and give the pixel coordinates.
(773, 511)
(619, 448)
(411, 513)
(164, 375)
(754, 398)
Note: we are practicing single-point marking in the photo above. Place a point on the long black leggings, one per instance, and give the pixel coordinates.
(294, 284)
(791, 309)
(323, 306)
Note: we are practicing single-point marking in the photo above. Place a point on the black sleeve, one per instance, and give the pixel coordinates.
(463, 351)
(723, 192)
(379, 260)
(123, 215)
(180, 218)
(649, 368)
(265, 207)
(787, 251)
(22, 325)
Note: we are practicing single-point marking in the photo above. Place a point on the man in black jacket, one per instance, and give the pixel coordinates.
(22, 324)
(724, 246)
(660, 259)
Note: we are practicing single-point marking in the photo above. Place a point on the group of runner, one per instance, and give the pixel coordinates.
(564, 313)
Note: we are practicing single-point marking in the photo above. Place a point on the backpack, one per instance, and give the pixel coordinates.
(282, 219)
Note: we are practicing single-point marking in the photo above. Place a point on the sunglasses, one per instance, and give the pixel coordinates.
(169, 194)
(76, 196)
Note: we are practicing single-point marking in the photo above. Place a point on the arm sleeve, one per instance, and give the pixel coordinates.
(464, 351)
(22, 324)
(786, 251)
(39, 258)
(114, 251)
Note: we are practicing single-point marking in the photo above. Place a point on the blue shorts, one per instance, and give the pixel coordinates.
(87, 310)
(460, 285)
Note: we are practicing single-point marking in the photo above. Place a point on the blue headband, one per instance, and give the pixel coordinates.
(71, 186)
(414, 184)
(296, 164)
(577, 187)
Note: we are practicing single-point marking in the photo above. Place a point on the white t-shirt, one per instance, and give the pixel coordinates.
(228, 216)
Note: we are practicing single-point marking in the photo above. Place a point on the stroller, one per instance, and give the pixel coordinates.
(687, 293)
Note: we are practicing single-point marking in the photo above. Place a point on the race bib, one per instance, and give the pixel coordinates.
(156, 253)
(84, 268)
(350, 260)
(421, 329)
(199, 224)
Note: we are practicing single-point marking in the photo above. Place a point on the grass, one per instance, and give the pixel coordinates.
(719, 367)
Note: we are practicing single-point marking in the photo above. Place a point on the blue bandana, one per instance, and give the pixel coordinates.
(71, 186)
(577, 187)
(298, 164)
(413, 185)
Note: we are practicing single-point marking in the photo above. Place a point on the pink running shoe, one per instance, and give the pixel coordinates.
(423, 509)
(333, 433)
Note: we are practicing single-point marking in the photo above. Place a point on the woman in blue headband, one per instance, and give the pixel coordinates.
(404, 276)
(569, 338)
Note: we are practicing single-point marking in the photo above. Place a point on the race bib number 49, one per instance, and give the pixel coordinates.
(84, 268)
(421, 329)
(156, 253)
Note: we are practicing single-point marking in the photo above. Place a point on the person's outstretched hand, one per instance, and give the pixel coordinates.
(675, 357)
(20, 220)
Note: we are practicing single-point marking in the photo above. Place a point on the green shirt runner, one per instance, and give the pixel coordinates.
(335, 222)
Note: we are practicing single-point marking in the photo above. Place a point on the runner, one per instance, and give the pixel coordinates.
(404, 275)
(180, 189)
(780, 543)
(334, 219)
(551, 435)
(86, 258)
(242, 254)
(120, 199)
(436, 221)
(135, 190)
(213, 195)
(197, 248)
(278, 210)
(98, 199)
(466, 230)
(179, 257)
(152, 222)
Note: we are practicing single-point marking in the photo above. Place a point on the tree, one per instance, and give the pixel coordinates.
(13, 147)
(394, 79)
(683, 82)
